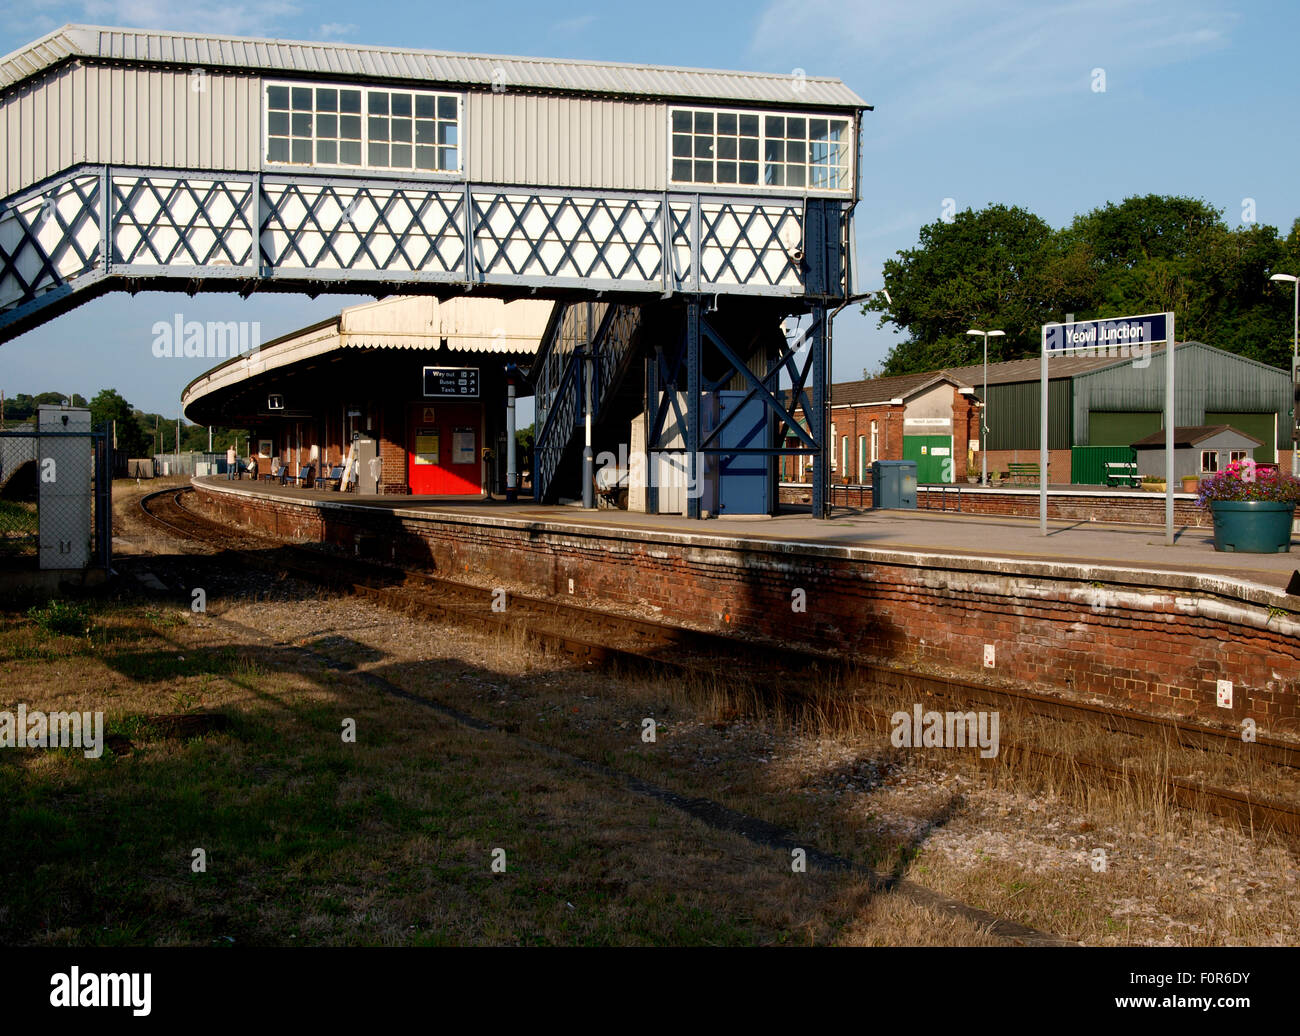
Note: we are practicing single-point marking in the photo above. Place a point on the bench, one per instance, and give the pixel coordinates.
(1023, 472)
(335, 475)
(1119, 472)
(303, 477)
(276, 474)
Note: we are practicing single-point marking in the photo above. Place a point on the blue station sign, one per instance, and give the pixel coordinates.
(1118, 336)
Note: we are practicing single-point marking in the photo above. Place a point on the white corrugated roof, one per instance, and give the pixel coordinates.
(402, 322)
(159, 47)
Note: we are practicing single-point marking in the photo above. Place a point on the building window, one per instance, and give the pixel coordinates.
(1238, 455)
(804, 152)
(844, 456)
(832, 446)
(875, 442)
(862, 459)
(1209, 460)
(409, 130)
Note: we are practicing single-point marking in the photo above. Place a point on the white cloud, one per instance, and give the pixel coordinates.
(335, 30)
(572, 25)
(260, 18)
(943, 58)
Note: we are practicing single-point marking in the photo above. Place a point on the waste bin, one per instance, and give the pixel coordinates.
(893, 485)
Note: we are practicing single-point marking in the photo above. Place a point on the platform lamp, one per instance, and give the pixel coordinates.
(984, 406)
(1295, 361)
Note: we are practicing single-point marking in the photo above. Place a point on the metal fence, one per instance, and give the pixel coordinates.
(56, 495)
(166, 465)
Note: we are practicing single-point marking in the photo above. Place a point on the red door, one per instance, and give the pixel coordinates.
(443, 449)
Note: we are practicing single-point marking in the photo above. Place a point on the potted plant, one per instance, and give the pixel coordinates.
(1253, 509)
(1191, 483)
(1153, 484)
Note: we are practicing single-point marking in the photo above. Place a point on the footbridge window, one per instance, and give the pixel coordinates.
(362, 127)
(712, 146)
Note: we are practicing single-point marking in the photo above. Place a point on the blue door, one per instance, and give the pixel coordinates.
(744, 483)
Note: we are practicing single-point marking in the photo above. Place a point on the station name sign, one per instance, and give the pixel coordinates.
(1122, 336)
(451, 383)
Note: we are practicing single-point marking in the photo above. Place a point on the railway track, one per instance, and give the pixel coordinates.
(599, 638)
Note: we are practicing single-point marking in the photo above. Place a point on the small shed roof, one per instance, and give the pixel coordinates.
(1191, 435)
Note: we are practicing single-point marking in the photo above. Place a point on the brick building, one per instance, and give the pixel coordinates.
(931, 418)
(1098, 407)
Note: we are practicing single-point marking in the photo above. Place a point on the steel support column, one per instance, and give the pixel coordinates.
(817, 419)
(654, 365)
(694, 469)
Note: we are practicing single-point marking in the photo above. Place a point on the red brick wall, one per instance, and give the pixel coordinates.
(392, 449)
(1133, 508)
(1161, 650)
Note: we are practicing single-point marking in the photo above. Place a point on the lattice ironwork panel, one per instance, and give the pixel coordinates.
(750, 244)
(340, 226)
(558, 237)
(614, 347)
(49, 238)
(561, 422)
(181, 221)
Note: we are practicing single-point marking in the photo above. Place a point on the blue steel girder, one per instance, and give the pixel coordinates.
(94, 227)
(802, 360)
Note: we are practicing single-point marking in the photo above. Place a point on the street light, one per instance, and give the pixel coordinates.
(1295, 352)
(984, 407)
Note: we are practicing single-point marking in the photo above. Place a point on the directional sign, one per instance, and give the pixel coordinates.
(451, 382)
(1106, 337)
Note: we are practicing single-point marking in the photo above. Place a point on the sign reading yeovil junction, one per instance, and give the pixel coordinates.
(1116, 337)
(1106, 337)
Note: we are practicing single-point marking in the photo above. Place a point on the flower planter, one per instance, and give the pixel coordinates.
(1191, 483)
(1154, 487)
(1252, 526)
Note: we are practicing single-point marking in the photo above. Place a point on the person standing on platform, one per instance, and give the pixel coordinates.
(232, 463)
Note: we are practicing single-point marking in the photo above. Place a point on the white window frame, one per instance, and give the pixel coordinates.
(761, 187)
(862, 459)
(1214, 454)
(366, 91)
(1238, 455)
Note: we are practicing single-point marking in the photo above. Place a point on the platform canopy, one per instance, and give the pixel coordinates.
(492, 326)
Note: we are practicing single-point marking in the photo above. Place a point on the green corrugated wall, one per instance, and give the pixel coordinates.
(1088, 463)
(1013, 415)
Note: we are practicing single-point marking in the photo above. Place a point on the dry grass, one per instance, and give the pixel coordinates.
(387, 841)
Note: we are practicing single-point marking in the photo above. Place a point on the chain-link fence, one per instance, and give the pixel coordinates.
(168, 465)
(56, 492)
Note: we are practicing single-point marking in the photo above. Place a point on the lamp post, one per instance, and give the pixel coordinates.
(984, 406)
(1295, 357)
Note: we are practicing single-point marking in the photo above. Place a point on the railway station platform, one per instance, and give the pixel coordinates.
(1099, 610)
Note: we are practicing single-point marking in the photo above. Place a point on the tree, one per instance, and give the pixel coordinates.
(1004, 268)
(983, 269)
(110, 405)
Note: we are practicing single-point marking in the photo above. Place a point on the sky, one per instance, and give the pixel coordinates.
(1055, 107)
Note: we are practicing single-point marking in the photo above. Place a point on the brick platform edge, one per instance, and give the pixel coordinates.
(1078, 506)
(1156, 641)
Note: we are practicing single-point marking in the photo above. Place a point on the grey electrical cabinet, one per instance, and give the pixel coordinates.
(368, 465)
(893, 485)
(63, 464)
